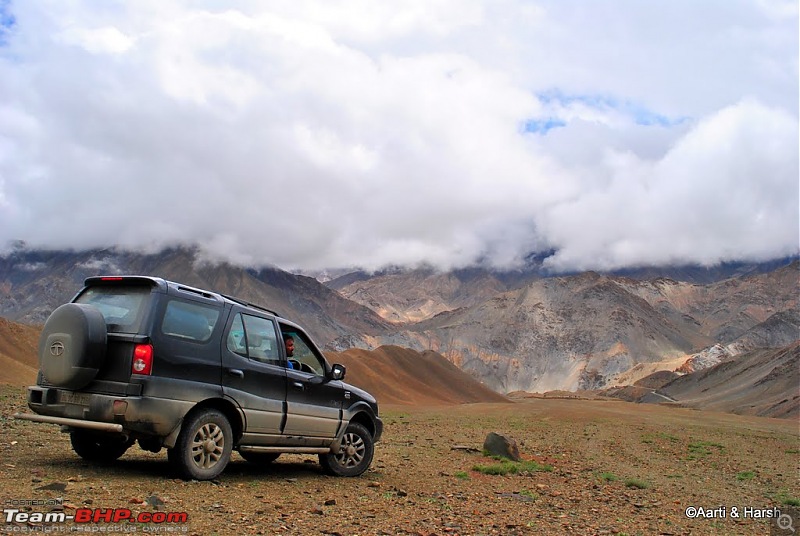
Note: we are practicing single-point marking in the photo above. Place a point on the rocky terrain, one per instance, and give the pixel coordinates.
(589, 468)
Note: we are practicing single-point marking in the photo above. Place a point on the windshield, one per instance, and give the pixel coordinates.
(122, 306)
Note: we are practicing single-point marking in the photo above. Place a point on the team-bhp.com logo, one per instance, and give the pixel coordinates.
(94, 515)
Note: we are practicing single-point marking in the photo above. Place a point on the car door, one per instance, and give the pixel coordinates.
(254, 375)
(313, 404)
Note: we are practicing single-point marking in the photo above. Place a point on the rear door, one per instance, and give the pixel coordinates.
(254, 374)
(124, 304)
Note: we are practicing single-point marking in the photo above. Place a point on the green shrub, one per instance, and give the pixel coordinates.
(636, 483)
(506, 467)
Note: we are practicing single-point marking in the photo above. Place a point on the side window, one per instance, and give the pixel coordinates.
(254, 337)
(188, 320)
(236, 340)
(303, 357)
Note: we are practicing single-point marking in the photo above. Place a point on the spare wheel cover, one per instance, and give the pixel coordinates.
(73, 345)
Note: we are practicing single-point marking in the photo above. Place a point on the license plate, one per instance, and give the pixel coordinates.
(68, 397)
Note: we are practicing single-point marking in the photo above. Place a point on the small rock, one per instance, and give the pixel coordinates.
(55, 486)
(155, 502)
(330, 502)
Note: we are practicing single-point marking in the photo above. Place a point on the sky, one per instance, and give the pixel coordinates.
(312, 135)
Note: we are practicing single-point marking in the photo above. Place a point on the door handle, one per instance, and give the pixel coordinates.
(298, 385)
(236, 372)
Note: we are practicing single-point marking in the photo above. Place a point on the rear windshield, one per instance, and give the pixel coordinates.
(122, 306)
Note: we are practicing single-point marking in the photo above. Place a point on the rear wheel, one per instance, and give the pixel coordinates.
(354, 456)
(260, 457)
(204, 446)
(97, 446)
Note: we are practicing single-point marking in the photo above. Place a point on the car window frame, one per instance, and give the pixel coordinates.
(241, 313)
(297, 333)
(194, 303)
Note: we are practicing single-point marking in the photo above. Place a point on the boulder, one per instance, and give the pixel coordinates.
(499, 445)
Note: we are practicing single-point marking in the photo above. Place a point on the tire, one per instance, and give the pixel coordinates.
(97, 446)
(260, 457)
(354, 456)
(204, 446)
(72, 345)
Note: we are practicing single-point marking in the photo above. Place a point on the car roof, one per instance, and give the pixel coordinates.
(164, 284)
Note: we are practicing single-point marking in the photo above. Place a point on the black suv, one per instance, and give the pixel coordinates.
(142, 359)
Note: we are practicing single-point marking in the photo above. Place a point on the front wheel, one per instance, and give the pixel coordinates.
(354, 456)
(204, 446)
(97, 446)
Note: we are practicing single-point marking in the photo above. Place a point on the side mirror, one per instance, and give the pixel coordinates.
(338, 371)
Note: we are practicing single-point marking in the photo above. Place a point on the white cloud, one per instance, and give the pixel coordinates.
(310, 136)
(107, 40)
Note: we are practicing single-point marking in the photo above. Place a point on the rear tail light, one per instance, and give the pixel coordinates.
(142, 359)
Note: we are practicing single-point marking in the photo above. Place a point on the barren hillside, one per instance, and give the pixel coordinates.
(18, 361)
(760, 382)
(397, 375)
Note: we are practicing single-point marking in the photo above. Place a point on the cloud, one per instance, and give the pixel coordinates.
(439, 132)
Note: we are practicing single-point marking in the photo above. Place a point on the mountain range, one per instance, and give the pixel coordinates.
(512, 331)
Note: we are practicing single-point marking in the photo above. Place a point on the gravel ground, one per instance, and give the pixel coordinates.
(603, 467)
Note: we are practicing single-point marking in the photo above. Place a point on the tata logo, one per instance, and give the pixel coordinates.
(57, 349)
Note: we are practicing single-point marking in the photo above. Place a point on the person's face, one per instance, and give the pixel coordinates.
(289, 347)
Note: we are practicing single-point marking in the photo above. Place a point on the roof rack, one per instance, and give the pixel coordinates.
(250, 304)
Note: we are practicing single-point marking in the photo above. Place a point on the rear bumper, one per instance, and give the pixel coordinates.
(147, 416)
(74, 423)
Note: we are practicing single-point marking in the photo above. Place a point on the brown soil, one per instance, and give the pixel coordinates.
(617, 468)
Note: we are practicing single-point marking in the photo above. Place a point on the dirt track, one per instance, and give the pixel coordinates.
(617, 468)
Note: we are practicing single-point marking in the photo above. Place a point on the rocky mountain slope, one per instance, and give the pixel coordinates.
(763, 382)
(760, 382)
(415, 295)
(409, 295)
(585, 331)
